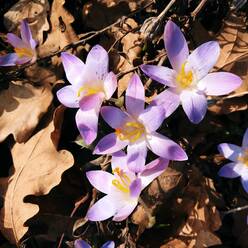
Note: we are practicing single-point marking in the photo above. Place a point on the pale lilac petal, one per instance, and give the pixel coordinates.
(15, 41)
(101, 180)
(103, 209)
(136, 156)
(169, 99)
(67, 96)
(152, 118)
(91, 102)
(203, 59)
(8, 59)
(81, 244)
(160, 74)
(23, 60)
(109, 244)
(125, 211)
(27, 35)
(230, 151)
(135, 188)
(119, 159)
(175, 45)
(165, 148)
(227, 171)
(110, 84)
(114, 116)
(194, 105)
(245, 139)
(74, 68)
(244, 182)
(97, 60)
(87, 124)
(135, 96)
(220, 83)
(153, 170)
(110, 144)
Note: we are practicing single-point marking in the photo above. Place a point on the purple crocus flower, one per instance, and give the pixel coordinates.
(79, 243)
(91, 84)
(239, 157)
(189, 81)
(123, 187)
(24, 47)
(136, 129)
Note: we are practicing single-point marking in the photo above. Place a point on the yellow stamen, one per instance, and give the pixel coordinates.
(88, 90)
(131, 131)
(124, 182)
(244, 158)
(120, 186)
(24, 52)
(184, 78)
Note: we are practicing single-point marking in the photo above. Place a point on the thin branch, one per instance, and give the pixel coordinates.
(198, 8)
(235, 210)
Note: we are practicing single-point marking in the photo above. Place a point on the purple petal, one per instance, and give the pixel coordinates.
(194, 105)
(15, 41)
(98, 60)
(74, 68)
(160, 74)
(125, 211)
(228, 171)
(79, 243)
(67, 96)
(153, 170)
(119, 159)
(91, 102)
(109, 144)
(165, 148)
(87, 124)
(101, 180)
(230, 151)
(244, 182)
(27, 35)
(203, 59)
(109, 244)
(114, 116)
(169, 99)
(136, 156)
(8, 59)
(103, 209)
(110, 84)
(135, 96)
(152, 118)
(220, 83)
(245, 139)
(175, 45)
(135, 188)
(23, 60)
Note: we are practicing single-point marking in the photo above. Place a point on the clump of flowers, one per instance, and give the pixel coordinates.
(79, 243)
(189, 81)
(24, 47)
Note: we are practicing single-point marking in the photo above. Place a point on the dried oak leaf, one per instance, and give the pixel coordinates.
(37, 168)
(21, 107)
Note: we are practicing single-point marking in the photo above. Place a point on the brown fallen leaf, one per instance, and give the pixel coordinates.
(37, 168)
(21, 107)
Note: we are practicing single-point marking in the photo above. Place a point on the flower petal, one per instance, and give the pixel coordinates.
(119, 159)
(219, 83)
(8, 59)
(109, 144)
(109, 244)
(98, 61)
(230, 151)
(114, 116)
(91, 102)
(27, 35)
(194, 105)
(245, 139)
(136, 156)
(175, 45)
(160, 74)
(135, 188)
(203, 59)
(67, 96)
(23, 60)
(101, 180)
(110, 84)
(227, 171)
(165, 148)
(15, 41)
(244, 182)
(153, 170)
(79, 243)
(74, 68)
(152, 118)
(169, 99)
(135, 96)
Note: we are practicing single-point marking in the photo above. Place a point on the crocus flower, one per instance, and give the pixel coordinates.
(239, 157)
(24, 47)
(123, 187)
(91, 84)
(79, 243)
(136, 129)
(189, 81)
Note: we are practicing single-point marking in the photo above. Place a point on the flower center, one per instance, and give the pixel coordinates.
(131, 131)
(88, 90)
(183, 78)
(24, 52)
(244, 157)
(123, 182)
